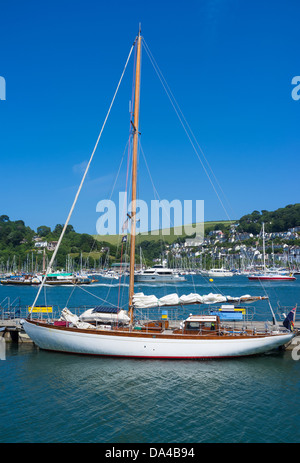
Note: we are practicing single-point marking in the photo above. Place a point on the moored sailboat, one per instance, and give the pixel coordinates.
(201, 336)
(268, 274)
(21, 280)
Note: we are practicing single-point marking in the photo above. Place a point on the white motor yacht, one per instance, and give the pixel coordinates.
(158, 274)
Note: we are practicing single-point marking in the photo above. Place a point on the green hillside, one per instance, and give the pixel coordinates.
(18, 242)
(175, 233)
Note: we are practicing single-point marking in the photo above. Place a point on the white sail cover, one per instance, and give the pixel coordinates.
(70, 317)
(141, 301)
(107, 317)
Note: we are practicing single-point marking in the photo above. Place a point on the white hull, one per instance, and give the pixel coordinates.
(142, 345)
(218, 273)
(158, 278)
(272, 277)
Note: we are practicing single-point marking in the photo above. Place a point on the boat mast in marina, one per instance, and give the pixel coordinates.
(202, 336)
(267, 274)
(135, 125)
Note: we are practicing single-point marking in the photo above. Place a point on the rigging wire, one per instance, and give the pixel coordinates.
(82, 181)
(187, 129)
(156, 194)
(185, 125)
(175, 103)
(97, 297)
(112, 191)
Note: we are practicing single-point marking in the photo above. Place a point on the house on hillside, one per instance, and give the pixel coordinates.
(52, 245)
(40, 244)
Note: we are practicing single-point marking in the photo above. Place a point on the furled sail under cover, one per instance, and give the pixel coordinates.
(69, 317)
(140, 300)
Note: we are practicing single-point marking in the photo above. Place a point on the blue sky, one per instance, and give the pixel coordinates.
(228, 63)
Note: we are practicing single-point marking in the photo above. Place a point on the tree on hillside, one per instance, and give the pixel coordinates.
(43, 230)
(276, 221)
(15, 237)
(58, 229)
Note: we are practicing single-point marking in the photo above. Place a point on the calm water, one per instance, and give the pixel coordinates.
(50, 397)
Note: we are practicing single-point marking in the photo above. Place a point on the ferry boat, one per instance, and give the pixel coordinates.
(62, 278)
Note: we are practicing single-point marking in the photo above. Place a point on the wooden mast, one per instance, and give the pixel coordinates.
(135, 124)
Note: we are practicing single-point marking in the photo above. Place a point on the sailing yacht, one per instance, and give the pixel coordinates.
(270, 274)
(20, 280)
(198, 337)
